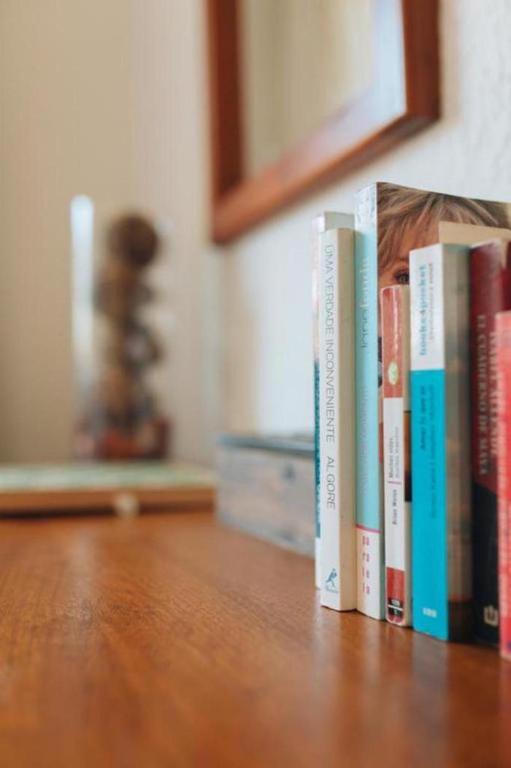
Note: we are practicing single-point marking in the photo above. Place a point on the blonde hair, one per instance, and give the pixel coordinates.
(401, 209)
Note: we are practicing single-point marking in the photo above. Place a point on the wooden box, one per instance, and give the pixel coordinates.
(266, 487)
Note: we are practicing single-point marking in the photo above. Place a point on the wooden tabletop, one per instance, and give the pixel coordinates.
(168, 640)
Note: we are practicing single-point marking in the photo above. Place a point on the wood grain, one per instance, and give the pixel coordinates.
(170, 641)
(403, 98)
(104, 499)
(224, 95)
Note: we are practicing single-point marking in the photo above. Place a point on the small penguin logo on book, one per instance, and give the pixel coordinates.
(331, 582)
(491, 615)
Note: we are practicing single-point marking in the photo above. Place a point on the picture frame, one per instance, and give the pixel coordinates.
(402, 98)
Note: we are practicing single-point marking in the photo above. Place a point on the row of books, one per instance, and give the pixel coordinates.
(412, 374)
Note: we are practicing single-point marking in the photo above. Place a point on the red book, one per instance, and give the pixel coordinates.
(503, 354)
(490, 292)
(395, 323)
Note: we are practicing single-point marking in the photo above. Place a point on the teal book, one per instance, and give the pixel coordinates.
(440, 399)
(390, 221)
(369, 498)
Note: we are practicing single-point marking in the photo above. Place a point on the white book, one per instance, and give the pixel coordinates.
(337, 420)
(329, 220)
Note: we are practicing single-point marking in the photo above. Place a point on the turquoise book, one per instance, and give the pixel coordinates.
(390, 221)
(369, 499)
(440, 401)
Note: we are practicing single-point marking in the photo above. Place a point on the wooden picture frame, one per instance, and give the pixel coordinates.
(402, 99)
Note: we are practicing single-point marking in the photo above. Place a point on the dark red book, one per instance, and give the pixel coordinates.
(490, 286)
(503, 356)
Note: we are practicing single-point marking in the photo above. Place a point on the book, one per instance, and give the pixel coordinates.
(490, 292)
(503, 354)
(126, 487)
(441, 558)
(266, 486)
(321, 225)
(390, 220)
(395, 323)
(336, 419)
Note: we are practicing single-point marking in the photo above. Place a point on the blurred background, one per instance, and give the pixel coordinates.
(108, 99)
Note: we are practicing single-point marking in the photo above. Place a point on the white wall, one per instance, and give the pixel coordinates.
(108, 98)
(268, 323)
(300, 61)
(104, 98)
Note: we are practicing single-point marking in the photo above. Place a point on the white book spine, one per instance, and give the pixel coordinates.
(336, 420)
(321, 224)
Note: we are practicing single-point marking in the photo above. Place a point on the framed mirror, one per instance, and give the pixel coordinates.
(303, 91)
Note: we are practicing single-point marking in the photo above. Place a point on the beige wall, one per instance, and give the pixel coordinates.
(268, 356)
(106, 99)
(300, 62)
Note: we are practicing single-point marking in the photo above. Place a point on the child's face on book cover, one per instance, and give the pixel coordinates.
(396, 269)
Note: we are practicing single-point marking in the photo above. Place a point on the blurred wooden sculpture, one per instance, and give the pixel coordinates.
(123, 419)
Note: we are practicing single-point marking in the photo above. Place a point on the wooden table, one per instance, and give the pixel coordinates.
(168, 640)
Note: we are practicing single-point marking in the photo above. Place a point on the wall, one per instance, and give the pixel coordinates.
(299, 62)
(106, 99)
(267, 317)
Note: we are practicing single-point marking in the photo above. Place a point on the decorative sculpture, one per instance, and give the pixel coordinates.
(124, 420)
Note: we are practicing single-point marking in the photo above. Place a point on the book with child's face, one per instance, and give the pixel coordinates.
(391, 220)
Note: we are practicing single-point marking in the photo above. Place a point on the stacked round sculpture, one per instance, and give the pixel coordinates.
(124, 421)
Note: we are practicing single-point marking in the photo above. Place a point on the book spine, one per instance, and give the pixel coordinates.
(315, 340)
(369, 511)
(440, 441)
(490, 291)
(395, 323)
(336, 420)
(329, 220)
(503, 347)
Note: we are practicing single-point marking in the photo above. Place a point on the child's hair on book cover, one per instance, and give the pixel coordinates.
(408, 219)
